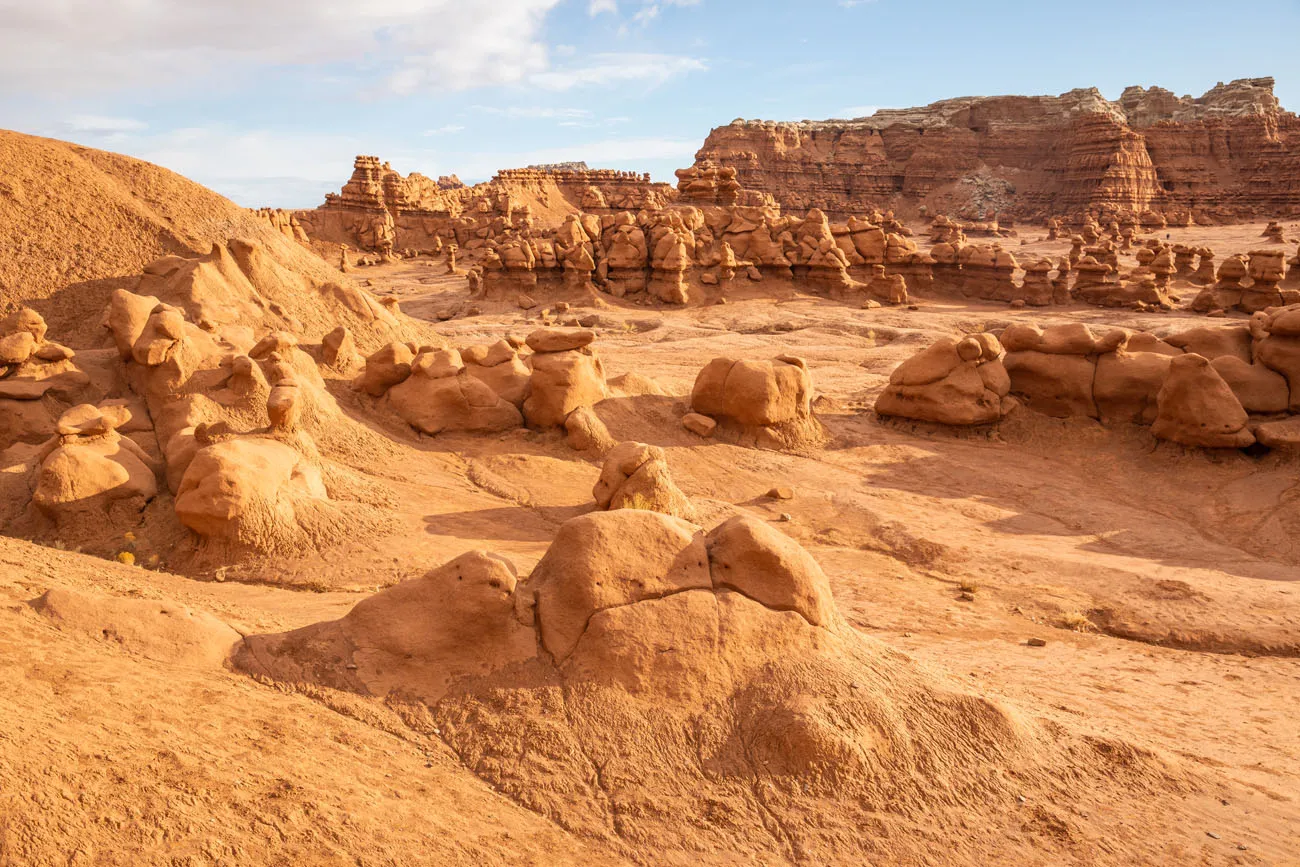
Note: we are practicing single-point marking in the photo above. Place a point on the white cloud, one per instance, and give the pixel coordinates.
(449, 129)
(614, 69)
(59, 46)
(597, 7)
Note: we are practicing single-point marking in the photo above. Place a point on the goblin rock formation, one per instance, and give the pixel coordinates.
(1230, 153)
(1212, 387)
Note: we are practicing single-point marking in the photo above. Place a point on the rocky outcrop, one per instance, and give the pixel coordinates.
(1209, 387)
(380, 210)
(1233, 149)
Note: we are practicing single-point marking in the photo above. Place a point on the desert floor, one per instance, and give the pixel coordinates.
(1165, 582)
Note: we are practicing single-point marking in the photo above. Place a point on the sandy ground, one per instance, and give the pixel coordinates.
(1164, 582)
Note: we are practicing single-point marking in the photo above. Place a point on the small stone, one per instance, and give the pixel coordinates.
(967, 596)
(1018, 304)
(781, 493)
(1036, 642)
(698, 424)
(526, 302)
(785, 518)
(562, 307)
(870, 304)
(1212, 835)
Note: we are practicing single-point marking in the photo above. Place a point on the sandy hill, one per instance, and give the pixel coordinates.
(75, 218)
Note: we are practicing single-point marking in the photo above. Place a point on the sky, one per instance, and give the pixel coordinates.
(269, 101)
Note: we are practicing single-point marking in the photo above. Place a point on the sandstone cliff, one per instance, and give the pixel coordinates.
(1232, 153)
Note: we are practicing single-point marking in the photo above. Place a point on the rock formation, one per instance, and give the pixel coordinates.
(950, 382)
(1199, 387)
(1032, 156)
(567, 375)
(767, 403)
(636, 476)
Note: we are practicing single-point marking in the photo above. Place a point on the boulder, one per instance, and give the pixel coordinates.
(754, 393)
(415, 638)
(385, 368)
(1257, 387)
(1054, 384)
(1127, 384)
(1197, 408)
(24, 320)
(608, 559)
(246, 490)
(949, 382)
(560, 339)
(751, 558)
(451, 402)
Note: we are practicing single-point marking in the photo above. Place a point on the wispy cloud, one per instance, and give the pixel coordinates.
(532, 111)
(612, 69)
(449, 129)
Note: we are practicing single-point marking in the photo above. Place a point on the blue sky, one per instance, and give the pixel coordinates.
(267, 101)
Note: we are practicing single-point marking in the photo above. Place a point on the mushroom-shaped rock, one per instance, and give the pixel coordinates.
(1197, 408)
(636, 476)
(748, 556)
(93, 470)
(562, 382)
(608, 559)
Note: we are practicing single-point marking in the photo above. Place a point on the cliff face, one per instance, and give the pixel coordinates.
(1232, 153)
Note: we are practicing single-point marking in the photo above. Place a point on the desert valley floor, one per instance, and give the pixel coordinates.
(1160, 579)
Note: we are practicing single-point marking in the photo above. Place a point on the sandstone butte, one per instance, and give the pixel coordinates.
(575, 518)
(1233, 153)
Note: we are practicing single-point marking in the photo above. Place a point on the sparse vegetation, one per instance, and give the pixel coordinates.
(1076, 621)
